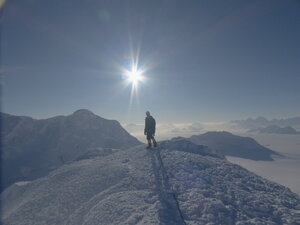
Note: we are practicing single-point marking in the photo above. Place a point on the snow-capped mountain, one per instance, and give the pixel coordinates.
(31, 148)
(274, 129)
(232, 145)
(175, 183)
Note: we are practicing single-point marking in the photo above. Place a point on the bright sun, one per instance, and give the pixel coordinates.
(134, 76)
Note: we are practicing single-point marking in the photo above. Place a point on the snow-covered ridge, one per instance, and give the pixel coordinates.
(32, 148)
(171, 184)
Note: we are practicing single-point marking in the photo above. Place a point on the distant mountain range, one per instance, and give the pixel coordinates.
(232, 145)
(274, 129)
(32, 148)
(261, 122)
(176, 183)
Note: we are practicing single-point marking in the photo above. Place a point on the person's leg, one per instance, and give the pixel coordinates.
(149, 143)
(149, 136)
(154, 142)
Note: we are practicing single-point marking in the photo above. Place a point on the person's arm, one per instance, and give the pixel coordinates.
(145, 130)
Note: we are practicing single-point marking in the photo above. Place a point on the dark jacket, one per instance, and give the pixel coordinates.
(149, 125)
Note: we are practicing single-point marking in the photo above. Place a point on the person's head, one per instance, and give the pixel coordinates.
(148, 113)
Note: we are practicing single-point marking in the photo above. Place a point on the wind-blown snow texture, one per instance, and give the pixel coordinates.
(176, 183)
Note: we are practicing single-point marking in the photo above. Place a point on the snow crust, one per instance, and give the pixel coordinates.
(171, 184)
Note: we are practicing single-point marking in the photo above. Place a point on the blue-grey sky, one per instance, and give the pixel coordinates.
(206, 60)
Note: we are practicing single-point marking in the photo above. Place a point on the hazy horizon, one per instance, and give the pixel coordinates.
(142, 118)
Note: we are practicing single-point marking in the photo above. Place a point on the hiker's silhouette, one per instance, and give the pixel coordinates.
(150, 129)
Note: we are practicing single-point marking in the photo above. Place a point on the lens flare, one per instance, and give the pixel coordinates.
(133, 77)
(2, 2)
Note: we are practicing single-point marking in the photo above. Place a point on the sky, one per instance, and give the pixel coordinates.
(201, 60)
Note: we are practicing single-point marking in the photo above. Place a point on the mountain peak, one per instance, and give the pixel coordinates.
(55, 141)
(84, 113)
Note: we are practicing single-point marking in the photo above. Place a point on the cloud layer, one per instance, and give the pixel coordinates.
(170, 130)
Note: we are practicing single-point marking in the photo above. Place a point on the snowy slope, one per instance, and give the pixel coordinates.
(176, 183)
(33, 147)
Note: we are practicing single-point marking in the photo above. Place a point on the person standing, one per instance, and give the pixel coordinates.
(150, 129)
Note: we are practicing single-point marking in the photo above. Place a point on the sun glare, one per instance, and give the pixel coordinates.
(134, 76)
